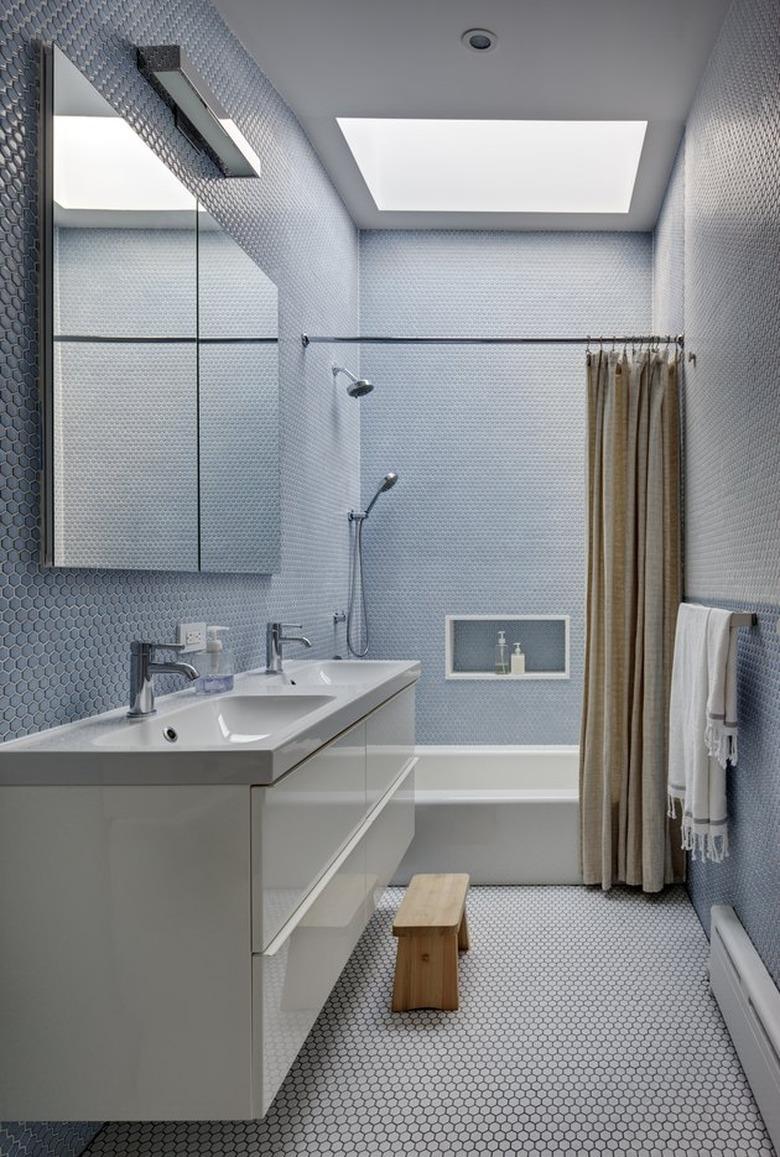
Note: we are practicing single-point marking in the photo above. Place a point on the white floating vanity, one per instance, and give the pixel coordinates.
(178, 895)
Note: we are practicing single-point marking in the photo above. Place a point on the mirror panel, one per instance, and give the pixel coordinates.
(124, 315)
(239, 407)
(159, 359)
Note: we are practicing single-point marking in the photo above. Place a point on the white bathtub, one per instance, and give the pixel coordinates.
(505, 815)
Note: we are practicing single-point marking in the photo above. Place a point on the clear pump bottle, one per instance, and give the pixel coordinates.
(502, 654)
(216, 663)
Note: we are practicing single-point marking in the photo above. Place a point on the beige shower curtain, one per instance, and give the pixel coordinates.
(634, 589)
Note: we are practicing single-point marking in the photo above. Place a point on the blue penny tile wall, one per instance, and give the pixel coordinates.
(718, 236)
(489, 512)
(45, 1139)
(732, 312)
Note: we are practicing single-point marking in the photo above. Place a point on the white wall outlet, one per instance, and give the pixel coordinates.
(193, 636)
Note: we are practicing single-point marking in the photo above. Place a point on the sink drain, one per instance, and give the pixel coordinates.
(170, 734)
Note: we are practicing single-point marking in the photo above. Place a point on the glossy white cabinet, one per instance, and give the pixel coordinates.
(392, 829)
(389, 743)
(292, 983)
(125, 962)
(300, 824)
(166, 949)
(293, 978)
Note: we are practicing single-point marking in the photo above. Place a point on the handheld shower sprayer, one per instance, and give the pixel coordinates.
(357, 614)
(387, 483)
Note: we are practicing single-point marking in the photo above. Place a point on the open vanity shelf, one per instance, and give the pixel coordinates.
(470, 642)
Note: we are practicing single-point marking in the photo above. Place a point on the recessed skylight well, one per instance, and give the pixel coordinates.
(497, 166)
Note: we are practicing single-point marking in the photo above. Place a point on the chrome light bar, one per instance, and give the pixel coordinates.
(198, 113)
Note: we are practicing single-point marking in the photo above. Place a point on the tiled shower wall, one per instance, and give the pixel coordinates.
(488, 515)
(64, 635)
(719, 236)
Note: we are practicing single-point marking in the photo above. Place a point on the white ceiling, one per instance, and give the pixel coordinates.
(555, 59)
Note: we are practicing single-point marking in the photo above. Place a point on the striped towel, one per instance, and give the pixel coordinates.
(702, 727)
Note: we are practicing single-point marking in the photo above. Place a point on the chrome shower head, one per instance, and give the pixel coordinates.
(387, 483)
(357, 387)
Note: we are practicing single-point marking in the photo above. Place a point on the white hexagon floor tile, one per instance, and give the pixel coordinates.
(586, 1026)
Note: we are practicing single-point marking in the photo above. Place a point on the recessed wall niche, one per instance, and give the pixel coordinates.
(470, 645)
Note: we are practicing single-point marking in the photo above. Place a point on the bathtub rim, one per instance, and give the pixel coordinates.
(473, 794)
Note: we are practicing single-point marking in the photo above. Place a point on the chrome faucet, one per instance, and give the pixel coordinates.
(274, 637)
(142, 672)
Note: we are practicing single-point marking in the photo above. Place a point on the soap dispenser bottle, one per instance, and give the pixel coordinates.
(502, 654)
(518, 660)
(216, 666)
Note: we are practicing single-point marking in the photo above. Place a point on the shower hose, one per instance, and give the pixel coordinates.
(357, 615)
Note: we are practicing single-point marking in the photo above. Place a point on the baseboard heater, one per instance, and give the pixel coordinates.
(750, 1003)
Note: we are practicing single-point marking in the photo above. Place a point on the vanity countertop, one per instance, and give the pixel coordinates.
(251, 735)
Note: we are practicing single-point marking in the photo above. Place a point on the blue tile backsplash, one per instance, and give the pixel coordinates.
(64, 635)
(717, 239)
(489, 442)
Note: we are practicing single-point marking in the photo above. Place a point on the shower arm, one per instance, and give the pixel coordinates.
(348, 373)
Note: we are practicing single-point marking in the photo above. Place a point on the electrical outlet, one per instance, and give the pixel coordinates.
(193, 636)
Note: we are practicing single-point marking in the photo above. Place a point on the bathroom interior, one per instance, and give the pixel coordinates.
(389, 577)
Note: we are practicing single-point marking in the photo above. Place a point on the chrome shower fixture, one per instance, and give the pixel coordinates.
(387, 483)
(357, 387)
(357, 613)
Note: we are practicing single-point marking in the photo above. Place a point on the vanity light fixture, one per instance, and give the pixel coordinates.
(197, 112)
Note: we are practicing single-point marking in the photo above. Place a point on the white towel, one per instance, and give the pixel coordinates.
(721, 730)
(703, 684)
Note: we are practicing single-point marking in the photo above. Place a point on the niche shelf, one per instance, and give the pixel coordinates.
(470, 642)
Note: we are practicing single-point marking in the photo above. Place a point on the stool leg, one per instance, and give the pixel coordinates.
(402, 984)
(449, 972)
(463, 934)
(426, 972)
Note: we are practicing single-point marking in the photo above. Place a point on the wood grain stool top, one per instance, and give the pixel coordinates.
(432, 902)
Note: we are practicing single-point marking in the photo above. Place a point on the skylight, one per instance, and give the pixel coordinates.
(497, 166)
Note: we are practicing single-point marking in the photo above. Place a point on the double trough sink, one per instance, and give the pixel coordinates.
(252, 734)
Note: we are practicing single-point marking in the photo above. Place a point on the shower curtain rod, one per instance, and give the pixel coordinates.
(376, 339)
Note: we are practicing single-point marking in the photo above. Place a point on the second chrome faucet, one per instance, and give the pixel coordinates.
(274, 638)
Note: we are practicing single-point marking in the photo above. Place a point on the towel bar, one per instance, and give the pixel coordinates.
(743, 619)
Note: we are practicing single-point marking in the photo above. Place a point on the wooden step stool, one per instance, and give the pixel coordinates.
(431, 929)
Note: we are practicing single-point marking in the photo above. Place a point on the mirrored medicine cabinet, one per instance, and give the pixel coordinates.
(159, 358)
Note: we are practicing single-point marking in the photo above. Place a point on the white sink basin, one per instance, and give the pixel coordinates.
(338, 673)
(230, 719)
(252, 735)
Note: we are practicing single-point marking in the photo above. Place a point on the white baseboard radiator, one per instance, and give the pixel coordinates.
(750, 1003)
